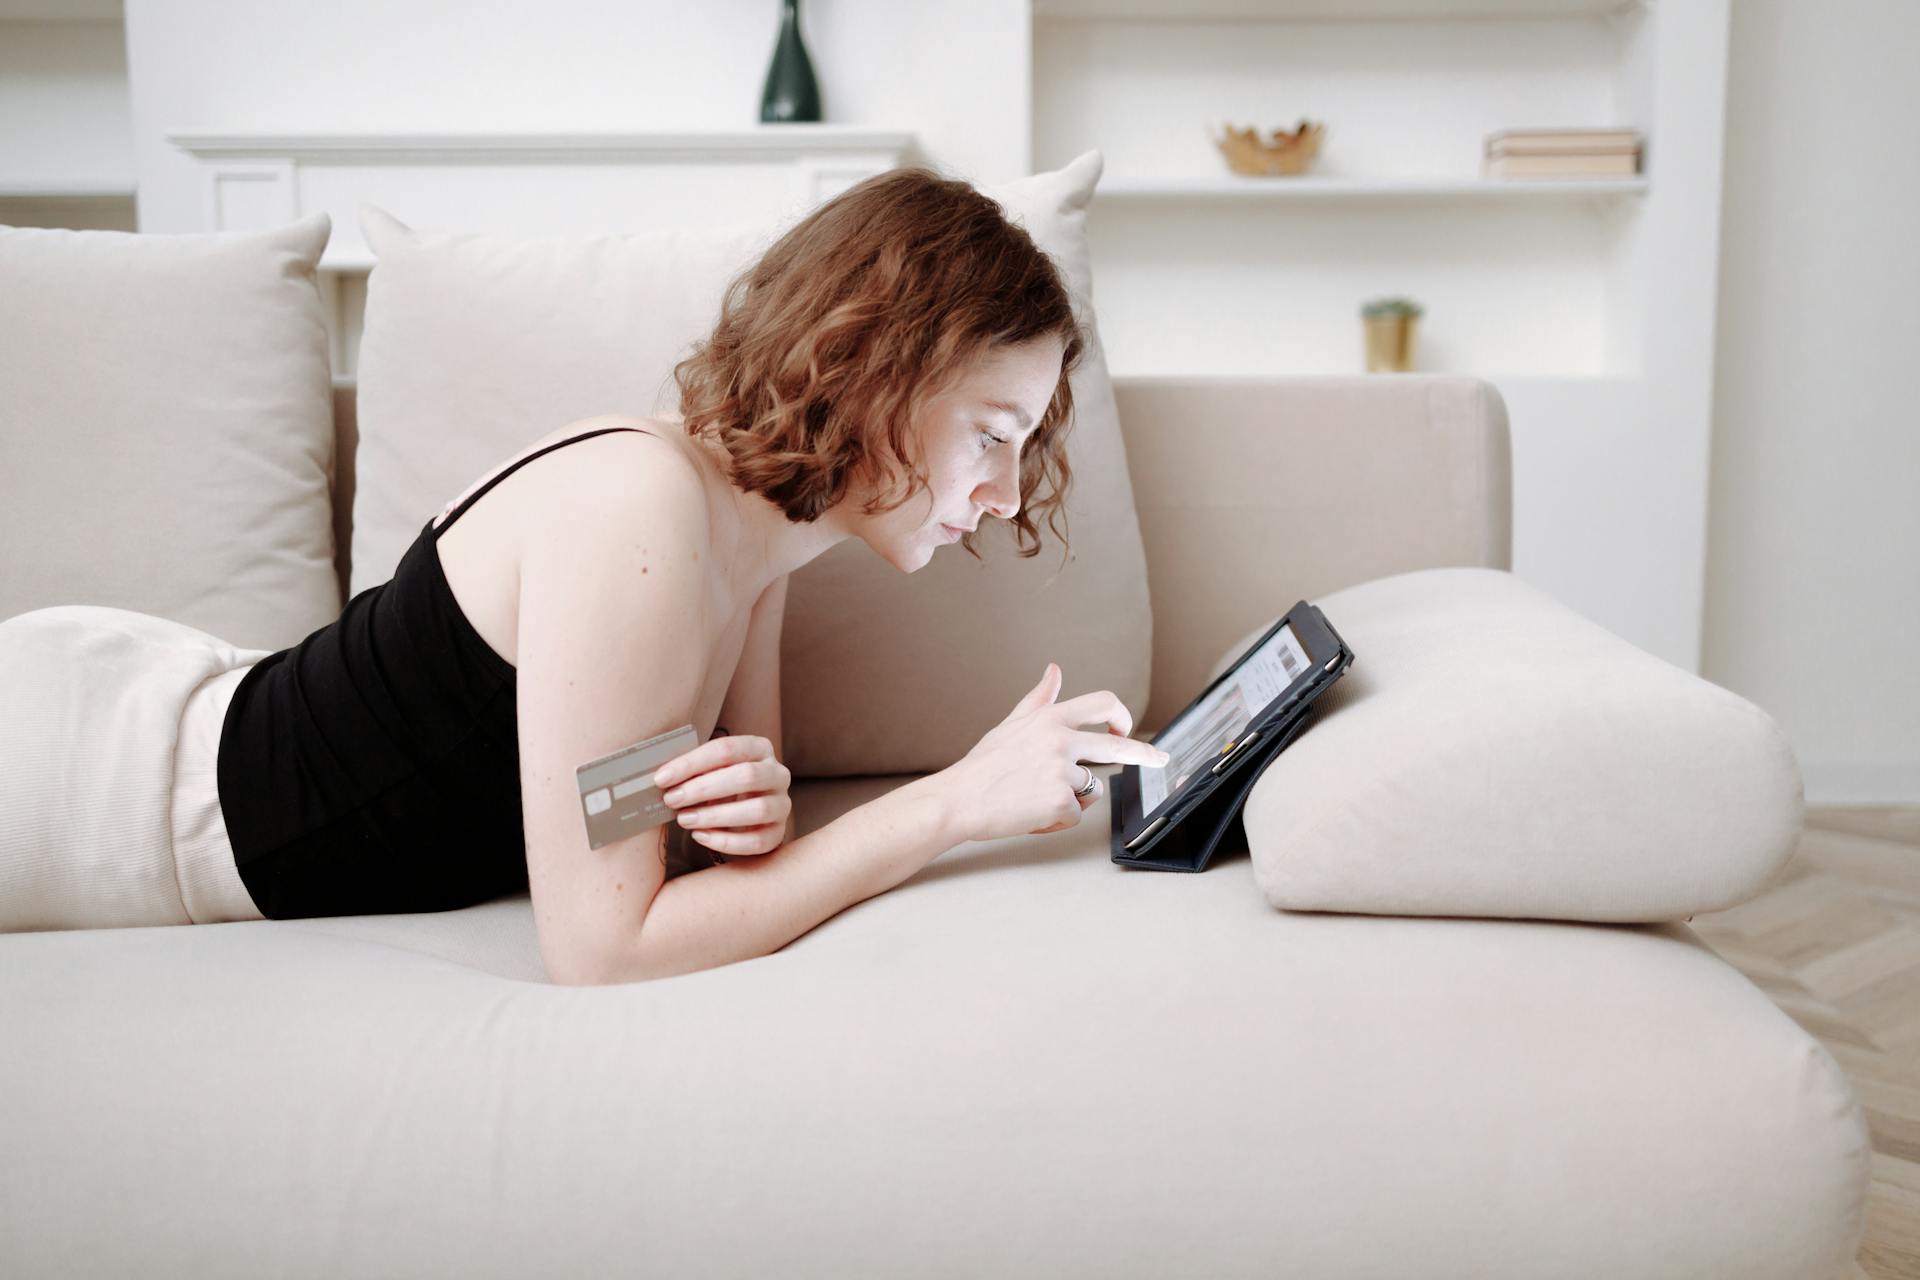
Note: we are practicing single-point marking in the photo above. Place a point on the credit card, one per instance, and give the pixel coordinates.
(617, 795)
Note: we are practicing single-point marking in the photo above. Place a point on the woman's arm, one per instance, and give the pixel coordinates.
(603, 661)
(755, 906)
(1019, 775)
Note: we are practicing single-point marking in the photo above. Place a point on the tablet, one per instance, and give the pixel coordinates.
(1260, 699)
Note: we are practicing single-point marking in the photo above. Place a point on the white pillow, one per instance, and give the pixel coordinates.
(166, 428)
(1491, 752)
(475, 345)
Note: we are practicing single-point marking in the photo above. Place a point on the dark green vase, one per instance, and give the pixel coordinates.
(791, 94)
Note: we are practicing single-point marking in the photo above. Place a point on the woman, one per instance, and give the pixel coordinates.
(895, 368)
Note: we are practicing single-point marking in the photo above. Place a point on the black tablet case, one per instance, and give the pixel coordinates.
(1213, 824)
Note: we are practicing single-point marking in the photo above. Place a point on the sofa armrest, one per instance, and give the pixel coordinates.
(1257, 492)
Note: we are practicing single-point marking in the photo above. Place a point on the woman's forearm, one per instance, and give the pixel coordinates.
(750, 907)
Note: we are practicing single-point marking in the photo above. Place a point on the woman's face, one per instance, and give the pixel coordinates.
(971, 437)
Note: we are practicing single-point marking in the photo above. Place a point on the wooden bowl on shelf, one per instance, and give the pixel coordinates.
(1287, 153)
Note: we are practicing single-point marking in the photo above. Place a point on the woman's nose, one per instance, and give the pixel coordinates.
(1001, 495)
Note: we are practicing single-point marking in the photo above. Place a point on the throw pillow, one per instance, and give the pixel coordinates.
(1491, 752)
(166, 427)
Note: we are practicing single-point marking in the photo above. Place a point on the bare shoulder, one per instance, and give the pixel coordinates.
(667, 439)
(664, 471)
(616, 545)
(621, 511)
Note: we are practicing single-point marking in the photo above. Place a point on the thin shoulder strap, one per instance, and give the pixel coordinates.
(481, 492)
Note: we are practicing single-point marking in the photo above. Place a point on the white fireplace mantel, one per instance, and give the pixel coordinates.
(530, 183)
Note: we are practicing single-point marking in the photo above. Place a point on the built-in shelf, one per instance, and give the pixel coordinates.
(467, 148)
(530, 182)
(62, 11)
(1587, 301)
(64, 189)
(1330, 10)
(1229, 187)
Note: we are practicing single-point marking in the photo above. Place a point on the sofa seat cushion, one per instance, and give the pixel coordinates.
(1023, 1061)
(1491, 752)
(167, 432)
(477, 344)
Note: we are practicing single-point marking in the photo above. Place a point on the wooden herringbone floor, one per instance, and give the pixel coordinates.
(1835, 941)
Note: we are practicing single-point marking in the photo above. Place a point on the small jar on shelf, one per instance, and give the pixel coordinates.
(1390, 334)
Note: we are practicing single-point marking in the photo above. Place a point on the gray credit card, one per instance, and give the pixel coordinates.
(617, 794)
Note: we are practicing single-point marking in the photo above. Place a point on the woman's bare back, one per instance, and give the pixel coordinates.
(480, 554)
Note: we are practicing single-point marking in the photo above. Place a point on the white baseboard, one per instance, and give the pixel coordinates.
(1861, 782)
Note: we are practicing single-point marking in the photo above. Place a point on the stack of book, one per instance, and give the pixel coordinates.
(1562, 153)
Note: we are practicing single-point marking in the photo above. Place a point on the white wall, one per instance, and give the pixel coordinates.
(1813, 566)
(1813, 569)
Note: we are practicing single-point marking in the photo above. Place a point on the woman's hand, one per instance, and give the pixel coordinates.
(730, 793)
(1022, 776)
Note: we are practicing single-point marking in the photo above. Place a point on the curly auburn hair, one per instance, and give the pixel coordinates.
(829, 344)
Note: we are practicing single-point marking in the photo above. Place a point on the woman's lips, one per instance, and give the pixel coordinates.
(953, 534)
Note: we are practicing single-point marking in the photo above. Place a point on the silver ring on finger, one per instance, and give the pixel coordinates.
(1087, 790)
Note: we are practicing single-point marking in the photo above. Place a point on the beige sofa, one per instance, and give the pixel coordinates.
(1022, 1061)
(1492, 1049)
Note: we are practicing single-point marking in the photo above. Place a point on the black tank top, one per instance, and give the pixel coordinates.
(375, 766)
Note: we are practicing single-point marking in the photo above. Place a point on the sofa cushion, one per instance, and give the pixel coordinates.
(474, 345)
(168, 429)
(1023, 1061)
(1491, 752)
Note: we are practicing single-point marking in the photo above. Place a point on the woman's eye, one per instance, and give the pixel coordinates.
(996, 439)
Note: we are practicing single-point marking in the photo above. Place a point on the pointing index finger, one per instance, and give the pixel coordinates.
(1116, 748)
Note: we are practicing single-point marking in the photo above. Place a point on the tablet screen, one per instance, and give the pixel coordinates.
(1208, 729)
